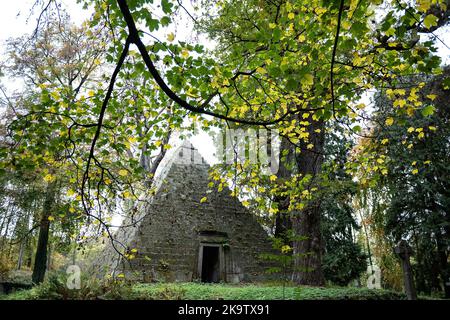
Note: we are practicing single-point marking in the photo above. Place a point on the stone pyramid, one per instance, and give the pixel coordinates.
(178, 238)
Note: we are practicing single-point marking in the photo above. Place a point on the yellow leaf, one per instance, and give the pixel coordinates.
(415, 171)
(401, 92)
(310, 146)
(49, 178)
(320, 11)
(261, 70)
(308, 79)
(71, 209)
(70, 192)
(50, 218)
(432, 128)
(431, 97)
(127, 194)
(384, 141)
(427, 162)
(170, 37)
(389, 121)
(185, 53)
(424, 5)
(421, 135)
(291, 15)
(399, 103)
(245, 203)
(273, 177)
(410, 129)
(286, 248)
(55, 95)
(384, 171)
(123, 172)
(272, 25)
(346, 25)
(203, 199)
(121, 275)
(301, 38)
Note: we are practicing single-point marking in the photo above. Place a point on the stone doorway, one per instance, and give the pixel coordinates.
(211, 263)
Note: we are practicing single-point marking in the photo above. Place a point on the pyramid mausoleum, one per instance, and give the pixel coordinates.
(178, 238)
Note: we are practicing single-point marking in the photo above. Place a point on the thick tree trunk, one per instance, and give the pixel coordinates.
(40, 261)
(307, 245)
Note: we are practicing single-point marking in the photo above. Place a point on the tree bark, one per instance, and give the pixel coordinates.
(307, 244)
(442, 257)
(40, 261)
(20, 257)
(283, 222)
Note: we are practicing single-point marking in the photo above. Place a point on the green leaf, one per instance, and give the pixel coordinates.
(166, 6)
(427, 111)
(291, 84)
(446, 83)
(430, 20)
(165, 21)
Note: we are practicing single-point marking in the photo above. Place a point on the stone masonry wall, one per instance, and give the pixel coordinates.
(175, 224)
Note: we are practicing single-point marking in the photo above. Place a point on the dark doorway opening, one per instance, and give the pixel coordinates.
(210, 264)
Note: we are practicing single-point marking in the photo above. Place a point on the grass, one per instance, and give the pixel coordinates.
(200, 291)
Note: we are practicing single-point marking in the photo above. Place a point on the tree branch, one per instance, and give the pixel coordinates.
(333, 56)
(101, 117)
(133, 35)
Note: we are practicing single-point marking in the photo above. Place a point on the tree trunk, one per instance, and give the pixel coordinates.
(308, 247)
(282, 219)
(442, 257)
(20, 257)
(49, 256)
(307, 244)
(40, 261)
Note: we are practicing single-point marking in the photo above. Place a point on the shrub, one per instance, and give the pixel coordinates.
(55, 288)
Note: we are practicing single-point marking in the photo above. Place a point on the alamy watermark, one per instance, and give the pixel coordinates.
(254, 146)
(73, 277)
(374, 279)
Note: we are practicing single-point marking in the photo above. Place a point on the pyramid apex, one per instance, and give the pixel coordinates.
(187, 154)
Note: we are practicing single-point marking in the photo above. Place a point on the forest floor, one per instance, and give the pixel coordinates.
(200, 291)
